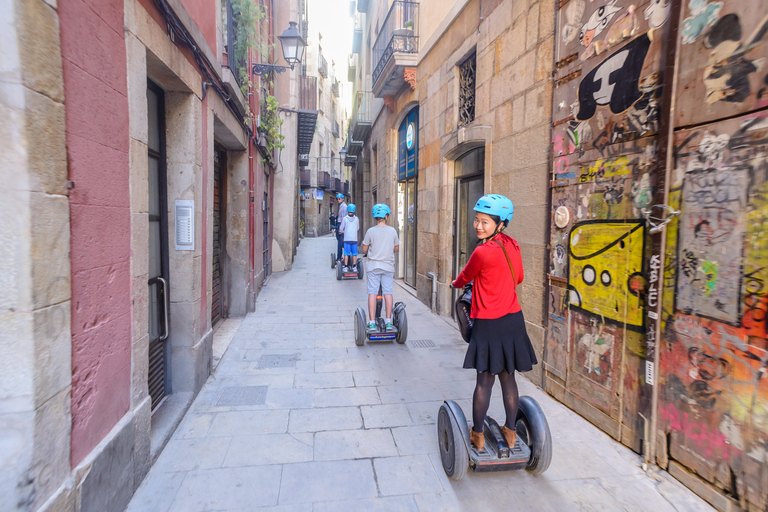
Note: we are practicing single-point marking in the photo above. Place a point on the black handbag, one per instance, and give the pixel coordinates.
(463, 307)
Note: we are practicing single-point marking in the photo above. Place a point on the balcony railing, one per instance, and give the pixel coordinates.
(306, 178)
(308, 92)
(352, 67)
(323, 179)
(361, 121)
(335, 87)
(357, 40)
(346, 188)
(399, 33)
(336, 185)
(322, 65)
(335, 128)
(362, 5)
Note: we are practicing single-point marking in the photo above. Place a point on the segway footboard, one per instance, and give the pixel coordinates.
(498, 455)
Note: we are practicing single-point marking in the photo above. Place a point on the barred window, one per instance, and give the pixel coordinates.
(467, 90)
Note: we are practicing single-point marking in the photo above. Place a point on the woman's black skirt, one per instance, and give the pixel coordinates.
(500, 344)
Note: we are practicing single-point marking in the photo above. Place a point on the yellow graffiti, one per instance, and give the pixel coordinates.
(602, 257)
(606, 169)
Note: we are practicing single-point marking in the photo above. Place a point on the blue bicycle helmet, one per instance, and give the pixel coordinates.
(495, 204)
(380, 211)
(351, 208)
(339, 196)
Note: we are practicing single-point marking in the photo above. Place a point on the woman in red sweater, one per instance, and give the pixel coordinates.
(499, 344)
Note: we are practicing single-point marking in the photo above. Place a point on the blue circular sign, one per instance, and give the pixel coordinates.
(409, 136)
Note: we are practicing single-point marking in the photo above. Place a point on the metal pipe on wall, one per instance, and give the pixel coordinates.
(433, 277)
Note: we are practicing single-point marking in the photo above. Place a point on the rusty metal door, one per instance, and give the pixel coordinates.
(217, 298)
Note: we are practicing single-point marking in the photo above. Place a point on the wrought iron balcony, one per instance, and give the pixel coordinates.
(303, 160)
(306, 178)
(350, 160)
(361, 121)
(237, 57)
(335, 87)
(362, 5)
(396, 47)
(352, 67)
(354, 147)
(346, 188)
(336, 185)
(322, 65)
(357, 40)
(335, 128)
(307, 112)
(323, 180)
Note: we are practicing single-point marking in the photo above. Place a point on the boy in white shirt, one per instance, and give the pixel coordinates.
(349, 227)
(380, 243)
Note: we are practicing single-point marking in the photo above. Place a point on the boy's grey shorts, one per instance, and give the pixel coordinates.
(377, 276)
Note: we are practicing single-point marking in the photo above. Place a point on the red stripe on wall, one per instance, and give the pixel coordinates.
(204, 230)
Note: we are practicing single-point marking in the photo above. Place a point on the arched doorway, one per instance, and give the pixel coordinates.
(407, 192)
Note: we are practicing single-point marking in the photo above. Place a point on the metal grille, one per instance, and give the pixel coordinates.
(277, 361)
(467, 90)
(216, 302)
(156, 372)
(421, 344)
(243, 395)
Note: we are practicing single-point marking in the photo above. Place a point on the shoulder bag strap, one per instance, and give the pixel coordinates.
(509, 262)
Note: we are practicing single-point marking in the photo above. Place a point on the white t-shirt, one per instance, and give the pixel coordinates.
(381, 242)
(350, 225)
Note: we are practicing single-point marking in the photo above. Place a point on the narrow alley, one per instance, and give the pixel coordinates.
(296, 417)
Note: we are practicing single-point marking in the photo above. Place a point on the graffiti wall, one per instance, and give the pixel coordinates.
(606, 113)
(604, 274)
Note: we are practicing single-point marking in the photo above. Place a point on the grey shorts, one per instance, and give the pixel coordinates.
(378, 276)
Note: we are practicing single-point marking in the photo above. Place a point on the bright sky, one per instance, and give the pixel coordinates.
(331, 18)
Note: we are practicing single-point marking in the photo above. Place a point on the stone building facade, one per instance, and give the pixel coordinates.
(138, 214)
(470, 92)
(324, 162)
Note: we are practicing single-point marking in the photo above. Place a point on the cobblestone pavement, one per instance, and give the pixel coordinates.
(296, 417)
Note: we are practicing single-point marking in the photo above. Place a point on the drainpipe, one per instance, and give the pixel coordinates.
(433, 277)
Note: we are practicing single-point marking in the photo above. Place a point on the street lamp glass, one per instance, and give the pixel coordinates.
(293, 44)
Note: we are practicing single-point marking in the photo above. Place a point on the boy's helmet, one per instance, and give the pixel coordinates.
(351, 208)
(339, 196)
(495, 204)
(380, 211)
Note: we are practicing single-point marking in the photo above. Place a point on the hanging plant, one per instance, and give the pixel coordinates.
(270, 123)
(247, 14)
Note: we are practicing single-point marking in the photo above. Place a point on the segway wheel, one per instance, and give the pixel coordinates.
(453, 453)
(338, 272)
(401, 322)
(360, 331)
(333, 260)
(360, 269)
(533, 430)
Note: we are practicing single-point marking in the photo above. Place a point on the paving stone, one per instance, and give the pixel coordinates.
(325, 380)
(406, 393)
(290, 398)
(194, 426)
(189, 454)
(385, 416)
(416, 440)
(248, 423)
(386, 504)
(269, 449)
(373, 378)
(354, 444)
(576, 494)
(327, 481)
(157, 493)
(228, 488)
(346, 396)
(406, 475)
(328, 418)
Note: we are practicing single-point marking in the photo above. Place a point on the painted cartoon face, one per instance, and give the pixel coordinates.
(657, 12)
(597, 22)
(602, 258)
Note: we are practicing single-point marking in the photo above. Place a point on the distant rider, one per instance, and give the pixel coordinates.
(339, 217)
(380, 243)
(350, 225)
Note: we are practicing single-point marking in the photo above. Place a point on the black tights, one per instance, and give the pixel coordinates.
(482, 398)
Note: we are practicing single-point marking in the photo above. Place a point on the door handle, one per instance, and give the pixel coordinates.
(165, 307)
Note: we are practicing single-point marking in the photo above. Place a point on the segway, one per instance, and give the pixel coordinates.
(380, 333)
(532, 450)
(355, 272)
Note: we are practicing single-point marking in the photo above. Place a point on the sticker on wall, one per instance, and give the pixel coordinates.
(615, 81)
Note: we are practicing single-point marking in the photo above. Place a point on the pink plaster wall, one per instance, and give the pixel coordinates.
(203, 13)
(95, 92)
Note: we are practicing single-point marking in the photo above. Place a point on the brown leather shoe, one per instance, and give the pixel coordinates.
(477, 439)
(510, 435)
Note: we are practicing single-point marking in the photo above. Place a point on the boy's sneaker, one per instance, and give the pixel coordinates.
(390, 326)
(371, 325)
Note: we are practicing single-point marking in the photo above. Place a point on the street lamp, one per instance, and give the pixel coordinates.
(293, 50)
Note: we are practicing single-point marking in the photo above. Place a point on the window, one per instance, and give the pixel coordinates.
(467, 90)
